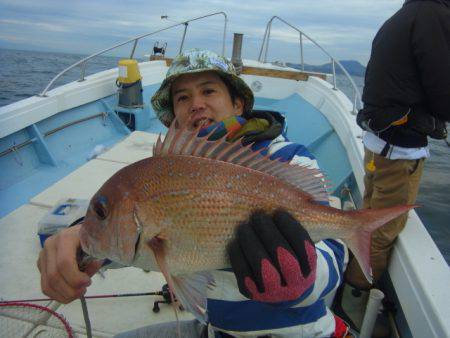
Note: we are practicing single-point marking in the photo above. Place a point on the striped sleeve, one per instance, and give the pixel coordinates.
(332, 258)
(295, 153)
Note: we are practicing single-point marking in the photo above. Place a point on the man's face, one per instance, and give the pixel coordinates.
(202, 99)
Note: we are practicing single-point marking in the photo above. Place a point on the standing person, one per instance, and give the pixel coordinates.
(201, 89)
(406, 100)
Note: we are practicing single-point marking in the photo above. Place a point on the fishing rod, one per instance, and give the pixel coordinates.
(164, 293)
(119, 295)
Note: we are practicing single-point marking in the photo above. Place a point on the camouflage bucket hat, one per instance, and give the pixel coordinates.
(196, 61)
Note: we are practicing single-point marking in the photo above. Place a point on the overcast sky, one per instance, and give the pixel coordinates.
(345, 28)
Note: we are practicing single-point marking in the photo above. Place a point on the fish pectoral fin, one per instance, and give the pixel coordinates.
(191, 291)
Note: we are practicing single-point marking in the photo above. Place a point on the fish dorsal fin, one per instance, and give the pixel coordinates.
(181, 141)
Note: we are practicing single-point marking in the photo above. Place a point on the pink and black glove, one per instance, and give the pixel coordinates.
(273, 258)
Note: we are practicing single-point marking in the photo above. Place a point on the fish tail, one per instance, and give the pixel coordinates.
(368, 220)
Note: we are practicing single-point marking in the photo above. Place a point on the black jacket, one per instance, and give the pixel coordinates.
(409, 72)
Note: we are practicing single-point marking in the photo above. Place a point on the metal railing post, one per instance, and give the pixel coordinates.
(263, 43)
(334, 74)
(184, 36)
(355, 109)
(224, 34)
(301, 52)
(134, 48)
(267, 42)
(83, 71)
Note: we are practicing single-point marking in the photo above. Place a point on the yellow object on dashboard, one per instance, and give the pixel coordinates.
(128, 71)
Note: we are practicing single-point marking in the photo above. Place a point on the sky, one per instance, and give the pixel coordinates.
(344, 28)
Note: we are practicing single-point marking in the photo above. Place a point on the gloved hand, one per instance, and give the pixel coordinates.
(273, 258)
(427, 125)
(440, 131)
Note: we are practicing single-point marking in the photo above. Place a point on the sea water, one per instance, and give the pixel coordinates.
(26, 73)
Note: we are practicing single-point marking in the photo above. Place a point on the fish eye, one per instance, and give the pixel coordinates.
(100, 207)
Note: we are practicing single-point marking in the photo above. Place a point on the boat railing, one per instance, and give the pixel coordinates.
(135, 41)
(265, 47)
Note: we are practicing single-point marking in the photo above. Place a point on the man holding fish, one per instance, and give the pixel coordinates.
(225, 188)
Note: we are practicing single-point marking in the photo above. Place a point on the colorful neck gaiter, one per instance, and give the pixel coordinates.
(236, 127)
(229, 126)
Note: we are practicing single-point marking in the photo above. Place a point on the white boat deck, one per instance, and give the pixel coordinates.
(20, 278)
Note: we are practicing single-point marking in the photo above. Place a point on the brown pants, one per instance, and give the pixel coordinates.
(392, 183)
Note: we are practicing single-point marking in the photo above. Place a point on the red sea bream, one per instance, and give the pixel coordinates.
(176, 211)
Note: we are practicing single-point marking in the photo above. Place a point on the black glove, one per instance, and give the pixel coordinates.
(427, 124)
(440, 131)
(273, 258)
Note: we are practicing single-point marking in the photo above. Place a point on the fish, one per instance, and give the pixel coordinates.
(176, 211)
